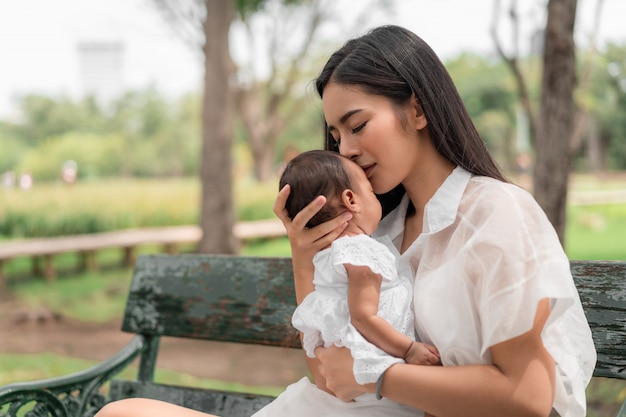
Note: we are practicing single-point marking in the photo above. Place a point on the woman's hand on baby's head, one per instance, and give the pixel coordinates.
(422, 354)
(302, 239)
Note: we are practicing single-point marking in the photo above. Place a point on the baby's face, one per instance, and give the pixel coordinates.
(371, 210)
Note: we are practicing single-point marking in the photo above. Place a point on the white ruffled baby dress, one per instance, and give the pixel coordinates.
(324, 318)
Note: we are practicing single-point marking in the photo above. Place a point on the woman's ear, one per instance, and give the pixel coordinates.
(350, 201)
(418, 114)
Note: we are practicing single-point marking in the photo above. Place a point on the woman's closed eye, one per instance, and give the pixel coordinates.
(359, 127)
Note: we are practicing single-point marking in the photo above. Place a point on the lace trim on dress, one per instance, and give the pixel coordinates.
(363, 250)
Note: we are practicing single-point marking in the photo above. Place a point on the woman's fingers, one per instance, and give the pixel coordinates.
(303, 217)
(302, 238)
(336, 367)
(279, 204)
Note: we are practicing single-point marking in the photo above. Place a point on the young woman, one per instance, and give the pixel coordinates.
(492, 285)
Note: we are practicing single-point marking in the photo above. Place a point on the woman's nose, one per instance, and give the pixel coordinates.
(348, 147)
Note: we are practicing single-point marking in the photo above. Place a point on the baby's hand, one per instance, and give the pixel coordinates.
(422, 354)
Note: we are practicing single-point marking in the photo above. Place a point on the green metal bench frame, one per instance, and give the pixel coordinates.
(249, 300)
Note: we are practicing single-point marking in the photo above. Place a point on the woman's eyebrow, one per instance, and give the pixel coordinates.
(344, 118)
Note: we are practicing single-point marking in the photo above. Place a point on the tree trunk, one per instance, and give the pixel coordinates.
(217, 212)
(553, 156)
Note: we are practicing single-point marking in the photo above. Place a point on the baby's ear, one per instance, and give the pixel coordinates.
(350, 201)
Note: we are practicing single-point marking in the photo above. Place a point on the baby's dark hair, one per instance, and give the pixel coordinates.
(311, 174)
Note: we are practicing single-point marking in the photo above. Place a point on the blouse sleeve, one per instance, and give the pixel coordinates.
(520, 261)
(363, 250)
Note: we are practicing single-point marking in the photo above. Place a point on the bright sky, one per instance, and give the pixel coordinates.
(39, 38)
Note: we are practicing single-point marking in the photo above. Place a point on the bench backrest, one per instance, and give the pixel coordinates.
(602, 289)
(212, 297)
(251, 299)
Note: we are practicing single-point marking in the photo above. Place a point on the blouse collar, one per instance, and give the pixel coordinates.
(439, 213)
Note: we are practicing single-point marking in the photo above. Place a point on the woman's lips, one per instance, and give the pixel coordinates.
(368, 169)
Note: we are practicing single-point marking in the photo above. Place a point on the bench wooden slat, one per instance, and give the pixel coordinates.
(602, 289)
(212, 297)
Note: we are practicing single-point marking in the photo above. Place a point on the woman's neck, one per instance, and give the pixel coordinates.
(421, 186)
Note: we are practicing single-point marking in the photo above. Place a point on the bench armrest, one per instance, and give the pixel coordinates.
(75, 395)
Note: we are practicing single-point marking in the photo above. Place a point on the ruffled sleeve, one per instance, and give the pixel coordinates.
(363, 250)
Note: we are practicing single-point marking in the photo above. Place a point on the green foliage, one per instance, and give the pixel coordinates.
(139, 134)
(605, 102)
(488, 92)
(57, 209)
(92, 206)
(12, 148)
(97, 156)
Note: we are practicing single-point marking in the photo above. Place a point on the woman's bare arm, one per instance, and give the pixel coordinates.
(521, 381)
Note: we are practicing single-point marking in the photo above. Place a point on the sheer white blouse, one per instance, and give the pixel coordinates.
(487, 255)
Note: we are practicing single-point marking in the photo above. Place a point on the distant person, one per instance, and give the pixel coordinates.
(26, 181)
(69, 172)
(8, 179)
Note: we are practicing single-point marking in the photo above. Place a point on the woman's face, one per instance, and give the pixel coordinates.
(369, 131)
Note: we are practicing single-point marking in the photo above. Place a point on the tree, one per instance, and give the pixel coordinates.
(552, 130)
(556, 115)
(206, 23)
(217, 217)
(259, 102)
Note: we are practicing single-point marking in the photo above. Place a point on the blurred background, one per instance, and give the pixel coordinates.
(105, 108)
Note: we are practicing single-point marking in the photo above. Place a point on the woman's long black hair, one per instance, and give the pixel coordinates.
(394, 62)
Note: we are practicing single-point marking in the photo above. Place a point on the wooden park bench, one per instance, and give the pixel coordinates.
(249, 300)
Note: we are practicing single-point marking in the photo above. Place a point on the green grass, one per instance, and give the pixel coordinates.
(267, 247)
(596, 232)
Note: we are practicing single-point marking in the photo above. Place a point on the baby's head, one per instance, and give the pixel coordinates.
(339, 179)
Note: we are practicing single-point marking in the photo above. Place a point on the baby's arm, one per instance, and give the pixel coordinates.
(363, 297)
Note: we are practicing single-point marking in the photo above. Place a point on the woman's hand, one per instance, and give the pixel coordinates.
(305, 243)
(302, 239)
(336, 367)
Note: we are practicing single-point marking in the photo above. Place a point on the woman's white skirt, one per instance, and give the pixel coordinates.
(304, 399)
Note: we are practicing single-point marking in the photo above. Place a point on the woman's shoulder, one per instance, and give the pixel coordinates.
(501, 204)
(498, 195)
